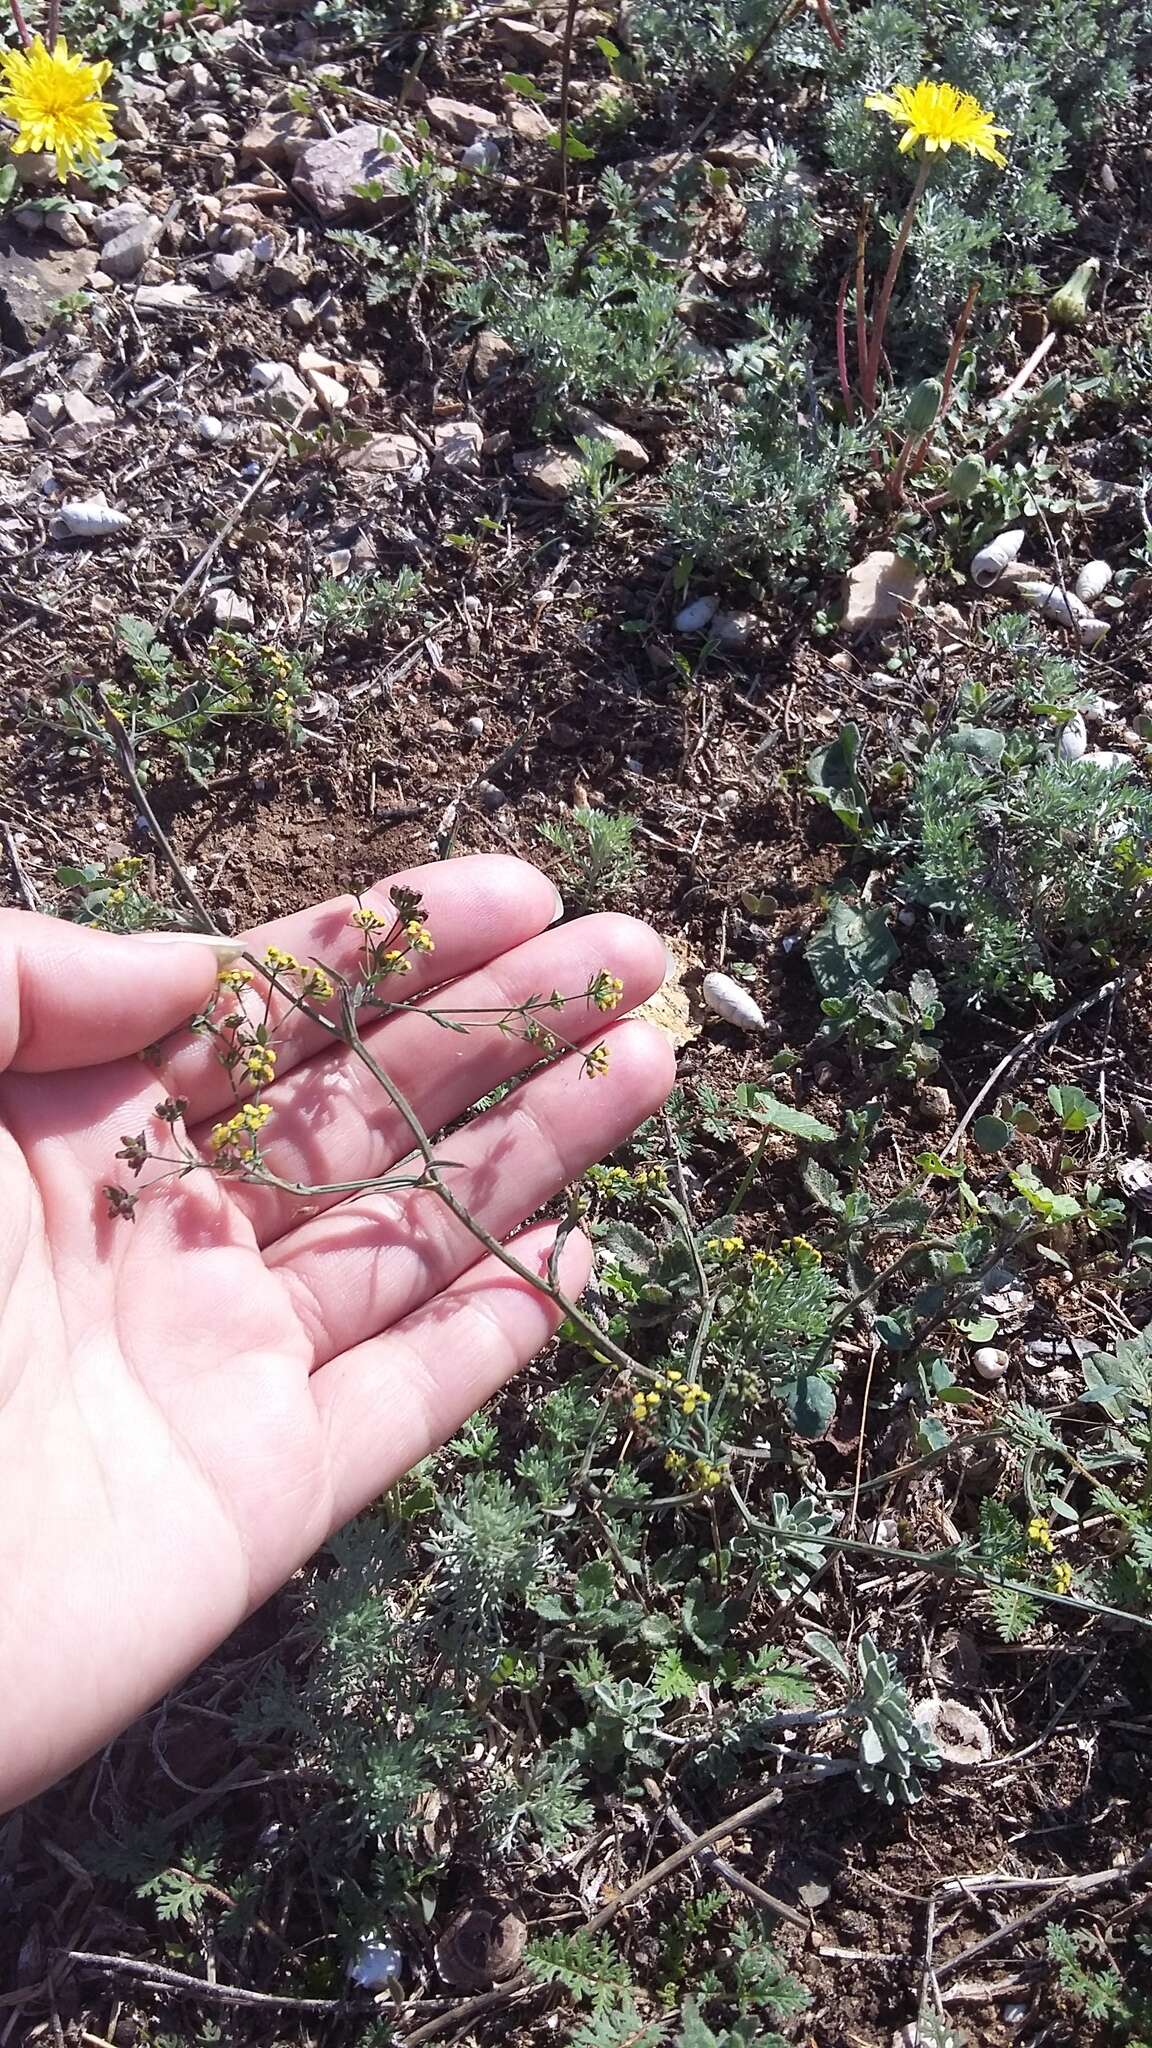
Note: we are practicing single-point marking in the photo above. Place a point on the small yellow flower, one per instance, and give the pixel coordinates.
(1063, 1577)
(708, 1475)
(234, 978)
(260, 1061)
(596, 1061)
(1040, 1533)
(54, 101)
(254, 1116)
(939, 116)
(675, 1461)
(419, 936)
(607, 991)
(391, 962)
(318, 986)
(368, 920)
(282, 963)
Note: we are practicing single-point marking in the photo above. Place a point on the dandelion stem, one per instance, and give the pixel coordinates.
(884, 298)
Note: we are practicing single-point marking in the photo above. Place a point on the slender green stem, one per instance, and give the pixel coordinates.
(884, 299)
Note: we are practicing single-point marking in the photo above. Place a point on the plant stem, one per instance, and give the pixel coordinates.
(565, 104)
(23, 31)
(884, 299)
(949, 377)
(842, 348)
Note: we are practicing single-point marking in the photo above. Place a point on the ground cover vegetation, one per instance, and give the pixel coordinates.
(707, 450)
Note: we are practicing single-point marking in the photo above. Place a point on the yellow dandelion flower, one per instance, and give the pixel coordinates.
(54, 101)
(941, 118)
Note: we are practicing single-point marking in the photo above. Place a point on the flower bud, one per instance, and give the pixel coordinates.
(1068, 307)
(923, 406)
(966, 478)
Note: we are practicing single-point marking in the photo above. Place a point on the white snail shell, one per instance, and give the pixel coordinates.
(1093, 580)
(697, 616)
(728, 1000)
(90, 518)
(1103, 757)
(1063, 607)
(990, 1363)
(1073, 739)
(1090, 632)
(993, 558)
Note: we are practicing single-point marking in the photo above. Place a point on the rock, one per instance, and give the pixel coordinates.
(284, 390)
(458, 445)
(126, 254)
(458, 119)
(33, 280)
(386, 455)
(880, 589)
(526, 40)
(932, 1107)
(46, 410)
(208, 428)
(332, 394)
(697, 616)
(279, 140)
(286, 275)
(328, 174)
(734, 629)
(742, 153)
(300, 315)
(129, 213)
(550, 473)
(83, 413)
(166, 298)
(228, 608)
(1095, 496)
(129, 123)
(491, 355)
(624, 448)
(87, 370)
(482, 157)
(14, 429)
(229, 268)
(528, 123)
(57, 221)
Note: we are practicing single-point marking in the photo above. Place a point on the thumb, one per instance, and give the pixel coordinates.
(71, 996)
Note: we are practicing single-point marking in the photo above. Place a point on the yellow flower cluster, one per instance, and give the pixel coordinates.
(686, 1393)
(1040, 1533)
(725, 1247)
(606, 991)
(279, 962)
(240, 1131)
(708, 1475)
(260, 1061)
(318, 985)
(675, 1461)
(1063, 1577)
(366, 919)
(234, 978)
(391, 962)
(644, 1406)
(596, 1061)
(419, 936)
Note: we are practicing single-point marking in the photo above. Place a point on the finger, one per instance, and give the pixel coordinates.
(475, 909)
(74, 997)
(388, 1402)
(331, 1119)
(368, 1263)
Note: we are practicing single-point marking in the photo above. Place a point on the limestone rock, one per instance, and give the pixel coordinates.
(126, 254)
(458, 445)
(625, 450)
(386, 455)
(33, 280)
(550, 473)
(529, 123)
(328, 175)
(278, 140)
(459, 120)
(526, 40)
(879, 590)
(491, 355)
(14, 429)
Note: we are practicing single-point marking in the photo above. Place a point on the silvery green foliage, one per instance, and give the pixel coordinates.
(797, 1552)
(893, 1748)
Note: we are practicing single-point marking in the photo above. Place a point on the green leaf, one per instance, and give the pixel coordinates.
(1075, 1109)
(833, 780)
(991, 1133)
(979, 742)
(823, 1186)
(578, 152)
(516, 81)
(780, 1116)
(853, 945)
(809, 1402)
(822, 1645)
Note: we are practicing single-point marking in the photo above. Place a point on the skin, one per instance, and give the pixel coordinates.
(191, 1403)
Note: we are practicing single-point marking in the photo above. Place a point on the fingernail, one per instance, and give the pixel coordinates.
(560, 910)
(224, 950)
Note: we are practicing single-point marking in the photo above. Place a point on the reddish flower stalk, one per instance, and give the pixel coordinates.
(842, 348)
(949, 377)
(884, 299)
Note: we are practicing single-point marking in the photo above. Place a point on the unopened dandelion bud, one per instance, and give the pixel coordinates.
(1068, 307)
(966, 478)
(923, 408)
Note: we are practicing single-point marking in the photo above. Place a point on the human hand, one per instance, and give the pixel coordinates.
(191, 1403)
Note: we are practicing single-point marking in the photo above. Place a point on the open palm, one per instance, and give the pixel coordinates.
(191, 1403)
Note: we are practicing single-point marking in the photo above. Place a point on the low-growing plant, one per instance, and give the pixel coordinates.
(348, 607)
(597, 856)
